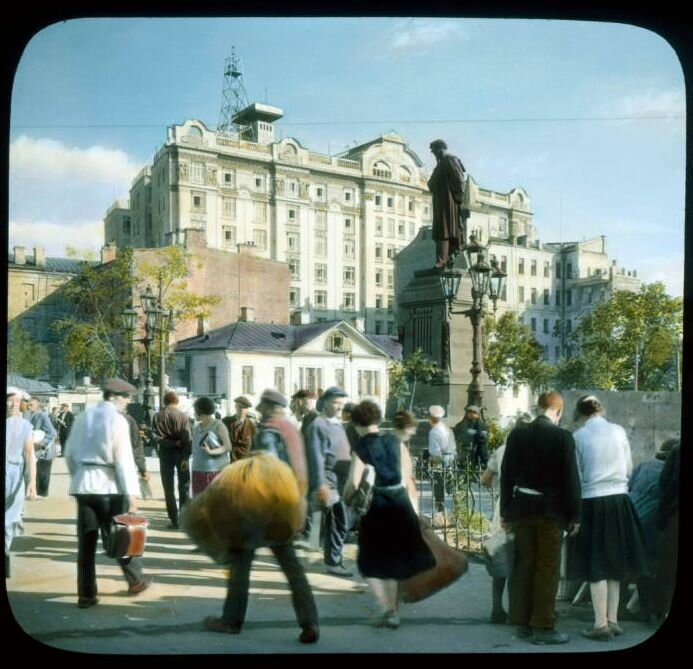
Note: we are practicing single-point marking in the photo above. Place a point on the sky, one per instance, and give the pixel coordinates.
(587, 117)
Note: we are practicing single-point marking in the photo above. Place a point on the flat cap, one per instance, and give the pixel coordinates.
(436, 411)
(243, 401)
(13, 390)
(118, 386)
(304, 394)
(333, 391)
(473, 407)
(274, 397)
(438, 143)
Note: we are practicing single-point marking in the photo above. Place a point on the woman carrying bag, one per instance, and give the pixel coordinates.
(211, 445)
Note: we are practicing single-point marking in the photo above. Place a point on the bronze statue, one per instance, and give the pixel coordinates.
(449, 214)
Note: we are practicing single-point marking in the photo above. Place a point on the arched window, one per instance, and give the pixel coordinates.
(382, 169)
(404, 175)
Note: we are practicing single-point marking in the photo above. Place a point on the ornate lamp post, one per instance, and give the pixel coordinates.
(487, 280)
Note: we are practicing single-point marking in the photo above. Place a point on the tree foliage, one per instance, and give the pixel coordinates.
(627, 331)
(405, 375)
(25, 356)
(512, 355)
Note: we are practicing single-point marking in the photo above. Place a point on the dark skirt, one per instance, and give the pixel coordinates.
(610, 544)
(389, 539)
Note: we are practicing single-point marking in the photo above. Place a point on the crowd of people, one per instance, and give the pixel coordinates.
(554, 490)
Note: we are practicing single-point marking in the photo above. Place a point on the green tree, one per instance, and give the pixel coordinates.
(512, 355)
(405, 375)
(25, 356)
(627, 341)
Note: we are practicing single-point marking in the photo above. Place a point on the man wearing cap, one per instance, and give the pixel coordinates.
(171, 429)
(275, 434)
(447, 191)
(44, 448)
(327, 449)
(441, 452)
(104, 483)
(471, 436)
(241, 428)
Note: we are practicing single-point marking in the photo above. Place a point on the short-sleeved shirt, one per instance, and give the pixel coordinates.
(201, 461)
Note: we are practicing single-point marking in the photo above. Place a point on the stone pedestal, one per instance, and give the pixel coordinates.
(445, 339)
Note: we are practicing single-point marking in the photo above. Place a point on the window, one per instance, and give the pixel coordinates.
(198, 172)
(320, 273)
(339, 377)
(293, 241)
(294, 297)
(546, 326)
(126, 225)
(521, 294)
(379, 226)
(368, 382)
(382, 169)
(391, 227)
(391, 328)
(291, 213)
(292, 187)
(533, 267)
(349, 225)
(247, 379)
(321, 220)
(295, 268)
(546, 296)
(558, 298)
(390, 303)
(349, 247)
(229, 179)
(279, 380)
(229, 235)
(259, 182)
(28, 294)
(521, 266)
(533, 324)
(320, 299)
(321, 244)
(378, 327)
(545, 352)
(558, 269)
(411, 206)
(260, 211)
(401, 230)
(533, 296)
(568, 298)
(502, 226)
(211, 380)
(378, 252)
(320, 192)
(378, 301)
(390, 278)
(568, 326)
(379, 278)
(348, 195)
(349, 275)
(228, 207)
(569, 270)
(504, 264)
(557, 352)
(198, 201)
(390, 202)
(390, 252)
(378, 200)
(547, 269)
(310, 378)
(349, 301)
(260, 238)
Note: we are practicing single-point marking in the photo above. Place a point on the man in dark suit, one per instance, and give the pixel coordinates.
(540, 497)
(64, 419)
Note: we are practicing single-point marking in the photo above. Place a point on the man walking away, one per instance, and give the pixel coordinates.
(540, 497)
(44, 448)
(171, 429)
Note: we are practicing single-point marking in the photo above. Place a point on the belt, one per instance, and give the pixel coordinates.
(528, 491)
(388, 488)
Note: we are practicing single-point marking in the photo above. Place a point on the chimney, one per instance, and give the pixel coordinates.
(108, 253)
(299, 317)
(202, 326)
(19, 255)
(248, 314)
(39, 256)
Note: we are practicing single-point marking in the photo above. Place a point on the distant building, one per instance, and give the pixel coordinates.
(246, 357)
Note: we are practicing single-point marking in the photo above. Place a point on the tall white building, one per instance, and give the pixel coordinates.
(337, 221)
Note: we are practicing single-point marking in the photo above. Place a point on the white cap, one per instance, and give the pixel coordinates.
(436, 411)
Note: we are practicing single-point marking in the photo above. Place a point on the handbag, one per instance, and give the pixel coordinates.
(498, 550)
(128, 536)
(450, 565)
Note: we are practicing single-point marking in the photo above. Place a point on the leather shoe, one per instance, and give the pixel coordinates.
(214, 624)
(309, 634)
(544, 637)
(339, 570)
(86, 602)
(137, 588)
(615, 628)
(598, 633)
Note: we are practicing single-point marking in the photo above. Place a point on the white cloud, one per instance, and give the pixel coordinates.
(668, 269)
(50, 159)
(420, 35)
(54, 237)
(651, 103)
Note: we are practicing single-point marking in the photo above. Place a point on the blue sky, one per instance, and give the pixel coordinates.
(92, 99)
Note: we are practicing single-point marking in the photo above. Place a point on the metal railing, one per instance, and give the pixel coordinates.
(452, 497)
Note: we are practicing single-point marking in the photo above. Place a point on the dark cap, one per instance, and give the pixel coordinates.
(473, 407)
(243, 401)
(273, 397)
(438, 144)
(664, 449)
(333, 391)
(118, 386)
(304, 394)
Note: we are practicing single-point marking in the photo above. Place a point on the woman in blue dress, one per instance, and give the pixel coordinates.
(19, 453)
(390, 544)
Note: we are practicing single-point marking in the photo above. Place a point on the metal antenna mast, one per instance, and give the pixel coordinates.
(234, 98)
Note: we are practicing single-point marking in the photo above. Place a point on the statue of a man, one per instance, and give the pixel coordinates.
(447, 189)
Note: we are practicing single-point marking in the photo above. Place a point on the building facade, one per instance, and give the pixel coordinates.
(338, 222)
(245, 357)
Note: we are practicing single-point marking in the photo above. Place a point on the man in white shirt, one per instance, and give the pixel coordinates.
(441, 451)
(104, 482)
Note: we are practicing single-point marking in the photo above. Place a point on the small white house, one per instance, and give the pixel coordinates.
(246, 357)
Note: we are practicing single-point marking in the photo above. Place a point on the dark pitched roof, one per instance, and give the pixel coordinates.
(30, 385)
(59, 265)
(268, 337)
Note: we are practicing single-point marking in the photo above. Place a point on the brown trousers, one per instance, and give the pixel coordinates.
(534, 578)
(442, 251)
